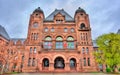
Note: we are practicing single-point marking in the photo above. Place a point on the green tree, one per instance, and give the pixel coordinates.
(109, 50)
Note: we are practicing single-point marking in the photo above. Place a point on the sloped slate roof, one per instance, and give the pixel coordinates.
(16, 39)
(3, 33)
(118, 31)
(94, 43)
(51, 16)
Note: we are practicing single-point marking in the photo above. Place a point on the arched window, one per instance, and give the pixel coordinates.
(83, 50)
(30, 49)
(35, 25)
(84, 61)
(33, 62)
(65, 29)
(87, 50)
(52, 29)
(29, 61)
(82, 26)
(72, 63)
(70, 42)
(48, 42)
(59, 42)
(35, 50)
(46, 29)
(88, 61)
(72, 30)
(45, 62)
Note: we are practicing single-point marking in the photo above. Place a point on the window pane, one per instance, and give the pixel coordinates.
(70, 45)
(72, 30)
(48, 38)
(35, 25)
(65, 30)
(46, 29)
(47, 45)
(59, 38)
(70, 38)
(59, 45)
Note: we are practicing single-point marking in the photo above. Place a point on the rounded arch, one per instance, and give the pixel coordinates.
(59, 63)
(48, 38)
(48, 35)
(59, 38)
(70, 38)
(82, 26)
(59, 55)
(72, 56)
(48, 57)
(73, 63)
(45, 62)
(70, 35)
(59, 35)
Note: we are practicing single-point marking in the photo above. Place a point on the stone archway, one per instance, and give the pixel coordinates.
(59, 63)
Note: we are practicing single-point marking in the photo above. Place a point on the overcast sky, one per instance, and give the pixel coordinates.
(104, 14)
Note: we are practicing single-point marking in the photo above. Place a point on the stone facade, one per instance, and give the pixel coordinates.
(57, 43)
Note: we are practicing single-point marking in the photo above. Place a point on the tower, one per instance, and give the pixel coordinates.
(35, 27)
(84, 39)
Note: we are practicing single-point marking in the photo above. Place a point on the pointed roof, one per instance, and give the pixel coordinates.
(64, 13)
(118, 31)
(3, 33)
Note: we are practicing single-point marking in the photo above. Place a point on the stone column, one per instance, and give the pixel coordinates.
(51, 67)
(40, 66)
(67, 67)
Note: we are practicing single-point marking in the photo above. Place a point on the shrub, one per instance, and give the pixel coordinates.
(108, 70)
(119, 69)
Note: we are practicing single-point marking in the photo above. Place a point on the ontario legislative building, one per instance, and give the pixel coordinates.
(57, 43)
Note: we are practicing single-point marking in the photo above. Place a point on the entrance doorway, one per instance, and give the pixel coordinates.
(59, 63)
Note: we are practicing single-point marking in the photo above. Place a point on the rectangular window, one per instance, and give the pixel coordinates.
(70, 45)
(59, 45)
(88, 61)
(34, 49)
(30, 49)
(47, 45)
(33, 62)
(84, 60)
(29, 61)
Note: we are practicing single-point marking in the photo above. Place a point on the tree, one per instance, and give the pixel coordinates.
(109, 50)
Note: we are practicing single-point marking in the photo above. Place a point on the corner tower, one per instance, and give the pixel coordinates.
(84, 39)
(35, 26)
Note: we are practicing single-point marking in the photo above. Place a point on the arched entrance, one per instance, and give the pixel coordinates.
(59, 63)
(73, 64)
(45, 64)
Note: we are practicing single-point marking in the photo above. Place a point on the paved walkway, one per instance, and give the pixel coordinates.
(63, 74)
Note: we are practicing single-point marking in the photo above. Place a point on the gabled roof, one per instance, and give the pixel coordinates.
(64, 13)
(118, 31)
(3, 33)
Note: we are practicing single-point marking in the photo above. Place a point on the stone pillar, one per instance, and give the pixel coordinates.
(40, 66)
(67, 67)
(51, 67)
(77, 66)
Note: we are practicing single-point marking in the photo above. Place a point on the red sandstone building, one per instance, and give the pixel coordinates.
(57, 43)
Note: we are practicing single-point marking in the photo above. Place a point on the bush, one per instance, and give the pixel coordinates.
(119, 69)
(108, 70)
